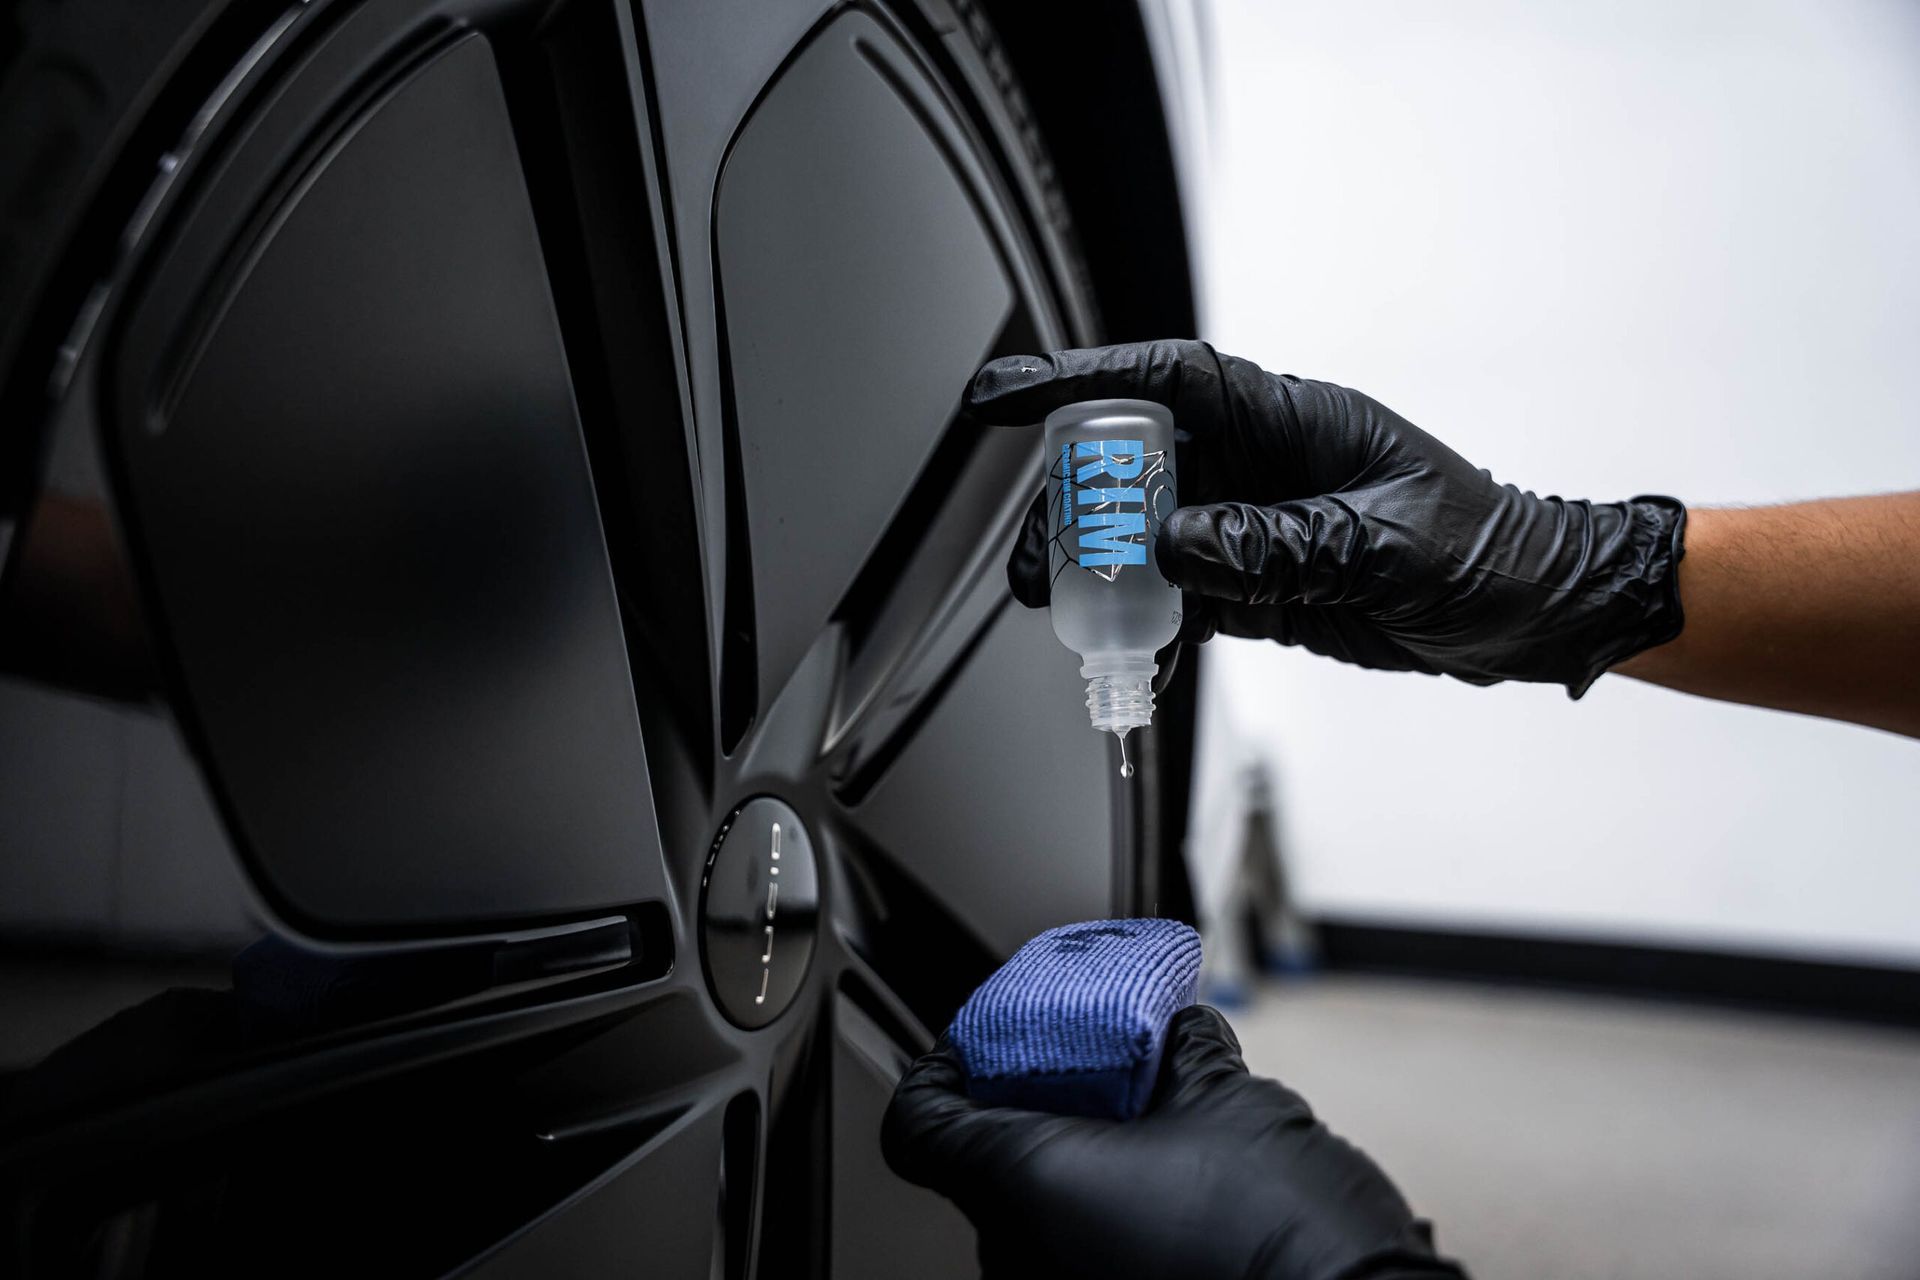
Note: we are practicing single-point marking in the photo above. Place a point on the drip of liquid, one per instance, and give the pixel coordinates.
(1126, 766)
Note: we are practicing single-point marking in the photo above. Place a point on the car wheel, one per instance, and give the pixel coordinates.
(575, 743)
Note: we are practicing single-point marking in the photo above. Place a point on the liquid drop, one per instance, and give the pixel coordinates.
(1126, 766)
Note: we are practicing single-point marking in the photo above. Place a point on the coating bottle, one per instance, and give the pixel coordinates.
(1110, 485)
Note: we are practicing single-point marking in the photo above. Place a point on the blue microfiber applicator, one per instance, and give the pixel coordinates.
(1075, 1021)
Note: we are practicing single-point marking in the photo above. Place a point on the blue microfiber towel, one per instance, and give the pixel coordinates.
(1074, 1023)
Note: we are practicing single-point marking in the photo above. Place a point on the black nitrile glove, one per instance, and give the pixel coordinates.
(1226, 1176)
(1316, 516)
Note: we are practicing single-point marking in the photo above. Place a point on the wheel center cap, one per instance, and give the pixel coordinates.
(758, 907)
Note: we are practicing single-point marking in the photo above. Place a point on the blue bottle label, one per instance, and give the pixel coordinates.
(1113, 496)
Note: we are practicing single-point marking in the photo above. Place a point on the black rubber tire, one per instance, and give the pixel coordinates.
(1053, 206)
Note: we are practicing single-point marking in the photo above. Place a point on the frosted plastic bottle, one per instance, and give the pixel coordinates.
(1110, 484)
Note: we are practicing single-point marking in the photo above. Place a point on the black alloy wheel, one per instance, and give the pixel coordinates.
(529, 430)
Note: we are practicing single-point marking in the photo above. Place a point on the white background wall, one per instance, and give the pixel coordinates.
(1601, 249)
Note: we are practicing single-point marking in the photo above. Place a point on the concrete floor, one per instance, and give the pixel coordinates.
(1590, 1138)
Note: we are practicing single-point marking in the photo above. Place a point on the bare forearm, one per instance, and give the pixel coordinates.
(1813, 607)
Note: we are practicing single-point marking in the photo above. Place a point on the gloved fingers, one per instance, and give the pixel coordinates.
(1030, 578)
(1309, 551)
(1200, 1051)
(1273, 622)
(1182, 374)
(1198, 623)
(1166, 661)
(1201, 1068)
(1027, 563)
(1347, 635)
(917, 1134)
(936, 1136)
(1340, 632)
(1241, 432)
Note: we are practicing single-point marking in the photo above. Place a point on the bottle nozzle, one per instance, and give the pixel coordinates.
(1120, 702)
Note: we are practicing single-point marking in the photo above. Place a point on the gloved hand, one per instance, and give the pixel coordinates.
(1226, 1175)
(1316, 516)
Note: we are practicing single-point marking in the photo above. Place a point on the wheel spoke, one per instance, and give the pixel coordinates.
(789, 738)
(881, 1226)
(655, 1213)
(368, 531)
(1019, 837)
(842, 375)
(892, 939)
(937, 605)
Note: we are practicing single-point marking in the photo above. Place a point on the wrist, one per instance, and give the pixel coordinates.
(1643, 610)
(1657, 661)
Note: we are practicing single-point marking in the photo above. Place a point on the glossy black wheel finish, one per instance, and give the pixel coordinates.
(532, 429)
(353, 464)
